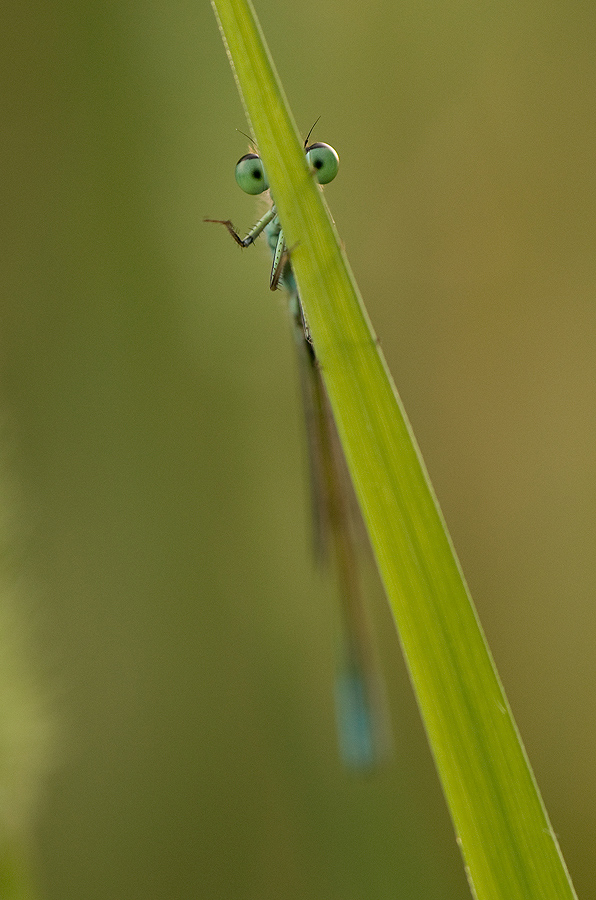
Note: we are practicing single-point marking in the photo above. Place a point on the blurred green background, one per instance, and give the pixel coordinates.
(156, 521)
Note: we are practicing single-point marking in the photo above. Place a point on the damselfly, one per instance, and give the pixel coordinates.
(358, 692)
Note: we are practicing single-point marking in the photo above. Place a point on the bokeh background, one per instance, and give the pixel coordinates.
(155, 520)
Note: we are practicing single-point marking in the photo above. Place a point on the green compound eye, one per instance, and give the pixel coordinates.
(250, 174)
(324, 160)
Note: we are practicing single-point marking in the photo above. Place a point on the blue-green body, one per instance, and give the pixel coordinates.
(358, 695)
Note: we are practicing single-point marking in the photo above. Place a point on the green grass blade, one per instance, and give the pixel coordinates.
(509, 847)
